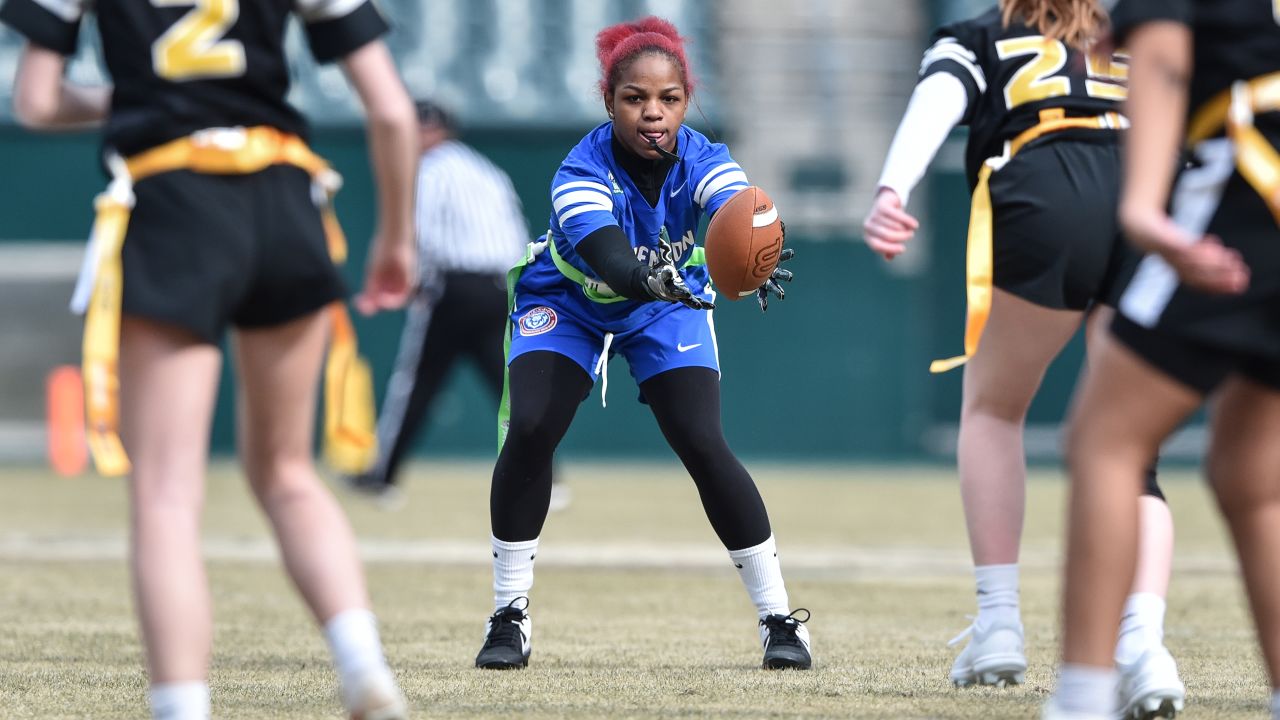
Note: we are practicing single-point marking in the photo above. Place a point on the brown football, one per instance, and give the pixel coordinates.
(743, 243)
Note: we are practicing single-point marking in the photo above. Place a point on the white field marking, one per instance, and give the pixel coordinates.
(851, 562)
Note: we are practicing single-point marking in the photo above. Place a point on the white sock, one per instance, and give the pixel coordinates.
(512, 570)
(180, 701)
(1275, 705)
(762, 575)
(355, 646)
(1087, 690)
(997, 595)
(1141, 628)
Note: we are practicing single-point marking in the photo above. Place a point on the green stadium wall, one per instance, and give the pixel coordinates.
(837, 372)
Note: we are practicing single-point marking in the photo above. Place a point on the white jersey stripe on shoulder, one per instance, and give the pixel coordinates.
(725, 167)
(590, 184)
(318, 10)
(1195, 201)
(950, 42)
(737, 177)
(581, 209)
(582, 196)
(66, 10)
(957, 54)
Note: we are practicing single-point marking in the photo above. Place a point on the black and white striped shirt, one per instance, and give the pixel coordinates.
(469, 217)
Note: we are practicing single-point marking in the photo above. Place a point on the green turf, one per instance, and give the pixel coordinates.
(878, 555)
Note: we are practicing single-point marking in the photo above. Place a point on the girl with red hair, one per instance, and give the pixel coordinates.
(619, 272)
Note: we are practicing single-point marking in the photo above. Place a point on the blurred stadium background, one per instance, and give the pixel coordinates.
(807, 94)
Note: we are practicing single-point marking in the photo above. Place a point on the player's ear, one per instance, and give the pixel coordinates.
(608, 103)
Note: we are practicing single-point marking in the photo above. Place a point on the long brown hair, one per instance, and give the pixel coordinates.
(1074, 22)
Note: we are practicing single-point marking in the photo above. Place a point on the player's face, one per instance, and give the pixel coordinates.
(648, 104)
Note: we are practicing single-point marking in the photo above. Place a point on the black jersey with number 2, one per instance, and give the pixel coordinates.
(1012, 73)
(179, 66)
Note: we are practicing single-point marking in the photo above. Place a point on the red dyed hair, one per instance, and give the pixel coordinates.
(618, 45)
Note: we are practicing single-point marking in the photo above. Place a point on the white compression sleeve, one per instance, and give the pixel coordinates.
(936, 106)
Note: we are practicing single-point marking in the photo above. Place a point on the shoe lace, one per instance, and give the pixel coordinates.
(504, 625)
(784, 629)
(973, 622)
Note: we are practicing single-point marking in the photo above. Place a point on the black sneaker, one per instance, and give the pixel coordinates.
(786, 641)
(506, 639)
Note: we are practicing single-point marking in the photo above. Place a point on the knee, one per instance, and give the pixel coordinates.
(530, 432)
(280, 479)
(996, 404)
(1239, 488)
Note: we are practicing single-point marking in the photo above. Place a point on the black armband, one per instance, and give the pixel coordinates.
(609, 255)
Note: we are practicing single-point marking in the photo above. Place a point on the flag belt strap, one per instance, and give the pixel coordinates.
(1234, 110)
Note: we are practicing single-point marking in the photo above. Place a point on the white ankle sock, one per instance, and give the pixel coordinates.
(1141, 628)
(1087, 690)
(355, 646)
(997, 594)
(1275, 705)
(512, 570)
(180, 701)
(762, 575)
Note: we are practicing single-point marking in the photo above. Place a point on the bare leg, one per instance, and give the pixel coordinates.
(1000, 381)
(1123, 412)
(168, 383)
(279, 371)
(1244, 469)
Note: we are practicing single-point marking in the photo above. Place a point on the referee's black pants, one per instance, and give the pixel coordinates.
(462, 317)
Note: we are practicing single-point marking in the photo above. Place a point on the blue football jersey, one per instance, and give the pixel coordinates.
(591, 190)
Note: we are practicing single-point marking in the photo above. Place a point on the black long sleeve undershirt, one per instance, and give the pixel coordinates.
(609, 255)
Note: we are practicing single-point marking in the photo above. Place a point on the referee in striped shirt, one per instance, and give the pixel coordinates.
(471, 230)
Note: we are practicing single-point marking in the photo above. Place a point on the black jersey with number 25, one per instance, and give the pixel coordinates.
(179, 66)
(1012, 73)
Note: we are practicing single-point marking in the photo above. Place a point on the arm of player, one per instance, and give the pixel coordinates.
(392, 131)
(937, 105)
(1159, 71)
(44, 100)
(609, 255)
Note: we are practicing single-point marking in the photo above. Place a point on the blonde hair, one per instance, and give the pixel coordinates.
(1074, 22)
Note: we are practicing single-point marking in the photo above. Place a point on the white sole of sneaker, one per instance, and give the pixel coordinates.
(997, 671)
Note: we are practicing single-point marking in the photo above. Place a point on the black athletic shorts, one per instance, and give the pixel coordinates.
(1196, 338)
(206, 251)
(1056, 241)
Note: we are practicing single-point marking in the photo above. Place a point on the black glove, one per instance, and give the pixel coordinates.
(778, 275)
(665, 282)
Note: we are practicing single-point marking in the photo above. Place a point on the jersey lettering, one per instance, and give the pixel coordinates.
(194, 48)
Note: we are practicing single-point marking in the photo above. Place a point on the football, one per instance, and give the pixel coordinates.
(743, 243)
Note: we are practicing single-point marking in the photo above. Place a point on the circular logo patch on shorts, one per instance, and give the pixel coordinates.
(537, 321)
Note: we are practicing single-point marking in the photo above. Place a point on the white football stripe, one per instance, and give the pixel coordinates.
(768, 217)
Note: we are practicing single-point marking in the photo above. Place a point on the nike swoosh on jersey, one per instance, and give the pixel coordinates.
(677, 190)
(686, 348)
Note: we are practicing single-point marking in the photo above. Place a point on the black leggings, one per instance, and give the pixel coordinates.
(546, 389)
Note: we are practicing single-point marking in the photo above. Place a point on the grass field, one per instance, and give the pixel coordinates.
(637, 612)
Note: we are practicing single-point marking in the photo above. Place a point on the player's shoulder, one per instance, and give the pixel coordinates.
(590, 157)
(699, 148)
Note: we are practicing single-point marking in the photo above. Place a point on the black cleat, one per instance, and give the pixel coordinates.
(786, 641)
(506, 639)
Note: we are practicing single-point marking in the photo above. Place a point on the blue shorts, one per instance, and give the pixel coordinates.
(655, 338)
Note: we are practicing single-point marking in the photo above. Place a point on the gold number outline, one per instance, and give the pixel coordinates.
(195, 47)
(1114, 68)
(1034, 80)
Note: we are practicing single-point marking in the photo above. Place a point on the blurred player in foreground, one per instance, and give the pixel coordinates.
(470, 231)
(1044, 251)
(214, 197)
(1201, 316)
(607, 278)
